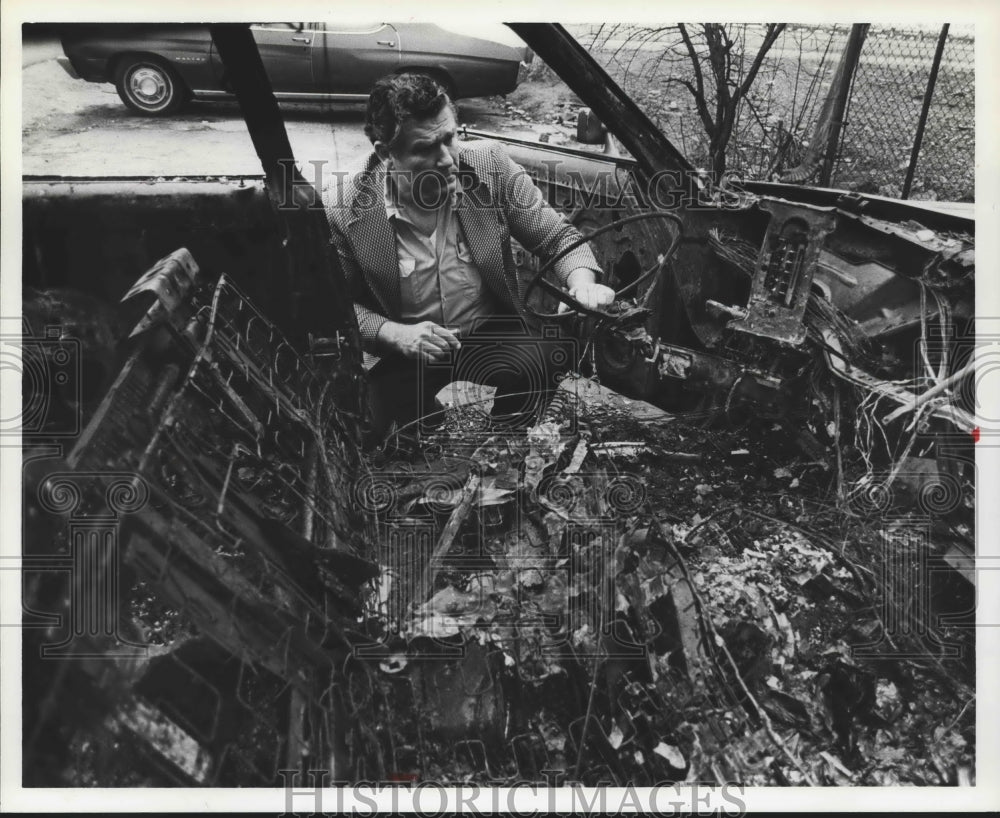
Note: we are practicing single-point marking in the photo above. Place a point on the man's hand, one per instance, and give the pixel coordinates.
(425, 341)
(592, 296)
(584, 289)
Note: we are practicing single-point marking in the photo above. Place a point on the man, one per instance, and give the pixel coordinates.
(423, 233)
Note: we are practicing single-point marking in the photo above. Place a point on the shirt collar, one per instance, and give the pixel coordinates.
(393, 210)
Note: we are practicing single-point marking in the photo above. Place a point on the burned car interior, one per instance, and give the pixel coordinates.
(736, 546)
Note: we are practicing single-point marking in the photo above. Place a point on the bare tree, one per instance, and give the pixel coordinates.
(716, 63)
(720, 83)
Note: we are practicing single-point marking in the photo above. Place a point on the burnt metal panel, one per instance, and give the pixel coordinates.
(785, 268)
(564, 55)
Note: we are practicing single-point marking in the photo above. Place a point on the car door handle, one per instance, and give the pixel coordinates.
(389, 43)
(301, 40)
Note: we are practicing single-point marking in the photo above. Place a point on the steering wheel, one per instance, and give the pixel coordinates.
(538, 280)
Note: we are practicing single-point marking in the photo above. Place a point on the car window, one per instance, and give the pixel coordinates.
(281, 26)
(761, 100)
(72, 124)
(541, 109)
(358, 28)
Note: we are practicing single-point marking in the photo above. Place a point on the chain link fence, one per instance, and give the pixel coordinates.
(775, 122)
(884, 109)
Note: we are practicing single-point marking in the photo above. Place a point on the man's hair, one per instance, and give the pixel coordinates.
(399, 97)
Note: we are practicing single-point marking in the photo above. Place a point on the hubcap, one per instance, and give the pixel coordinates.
(149, 86)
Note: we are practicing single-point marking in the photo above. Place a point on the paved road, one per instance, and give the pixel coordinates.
(76, 128)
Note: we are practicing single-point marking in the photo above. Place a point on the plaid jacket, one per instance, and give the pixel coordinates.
(500, 201)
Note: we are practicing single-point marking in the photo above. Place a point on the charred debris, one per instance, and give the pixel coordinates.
(757, 568)
(736, 546)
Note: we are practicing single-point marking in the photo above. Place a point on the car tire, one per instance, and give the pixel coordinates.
(149, 86)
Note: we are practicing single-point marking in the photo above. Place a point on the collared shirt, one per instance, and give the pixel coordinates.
(438, 278)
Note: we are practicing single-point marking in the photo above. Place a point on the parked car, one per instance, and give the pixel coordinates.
(157, 68)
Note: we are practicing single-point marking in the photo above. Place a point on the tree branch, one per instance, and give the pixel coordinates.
(699, 90)
(727, 124)
(773, 32)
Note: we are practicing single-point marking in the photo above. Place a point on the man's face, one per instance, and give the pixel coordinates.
(424, 159)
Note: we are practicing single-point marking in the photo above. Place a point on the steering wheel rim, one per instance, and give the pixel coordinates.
(575, 306)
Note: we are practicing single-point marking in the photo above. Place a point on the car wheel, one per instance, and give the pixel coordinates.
(149, 86)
